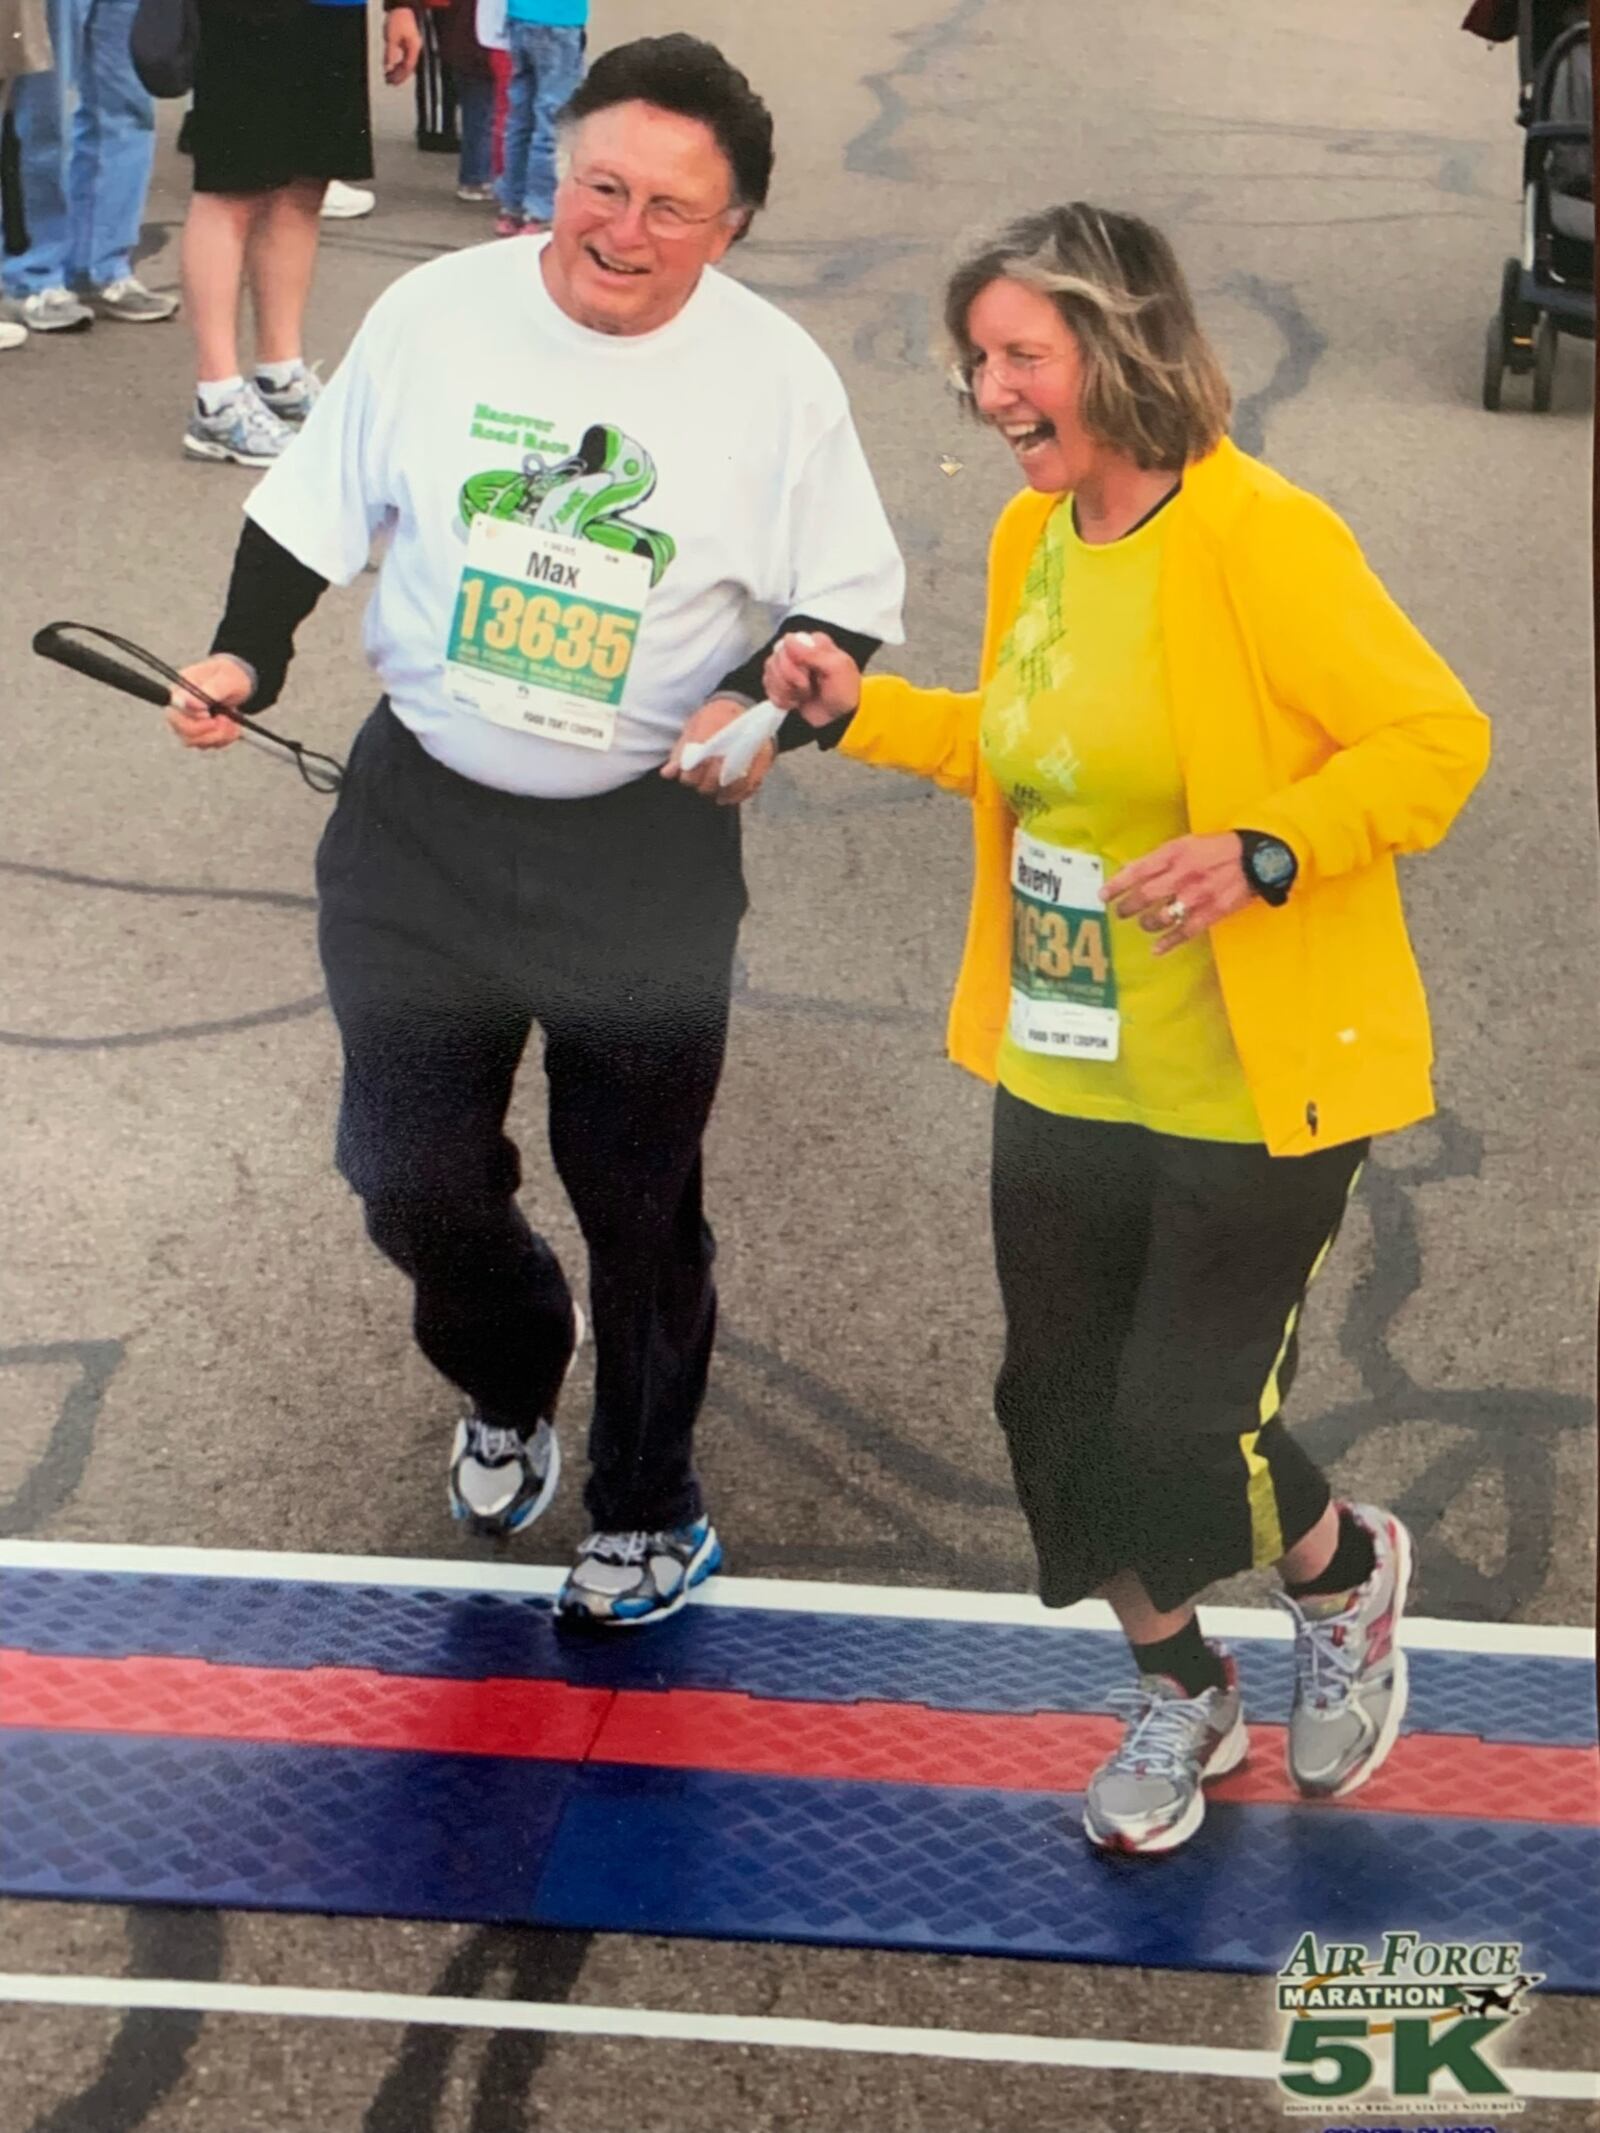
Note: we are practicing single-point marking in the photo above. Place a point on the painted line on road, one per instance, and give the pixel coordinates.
(784, 1595)
(1113, 2055)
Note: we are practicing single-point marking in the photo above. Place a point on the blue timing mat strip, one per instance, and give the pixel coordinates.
(763, 1652)
(957, 1871)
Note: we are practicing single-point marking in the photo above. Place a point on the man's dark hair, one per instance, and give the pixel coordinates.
(686, 75)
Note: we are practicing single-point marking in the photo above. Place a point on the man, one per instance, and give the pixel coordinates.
(596, 457)
(86, 134)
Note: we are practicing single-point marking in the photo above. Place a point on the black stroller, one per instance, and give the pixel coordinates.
(1549, 290)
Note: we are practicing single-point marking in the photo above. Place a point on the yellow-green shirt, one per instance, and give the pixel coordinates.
(1077, 732)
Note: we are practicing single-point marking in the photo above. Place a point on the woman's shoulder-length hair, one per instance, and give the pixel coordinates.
(1152, 385)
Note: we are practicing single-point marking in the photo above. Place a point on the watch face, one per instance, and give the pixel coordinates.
(1272, 863)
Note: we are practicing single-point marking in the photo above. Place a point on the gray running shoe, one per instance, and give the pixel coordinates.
(1150, 1795)
(244, 429)
(623, 1580)
(54, 311)
(500, 1480)
(1349, 1671)
(131, 301)
(292, 403)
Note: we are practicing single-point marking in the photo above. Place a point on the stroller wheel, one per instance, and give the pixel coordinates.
(1545, 339)
(1494, 363)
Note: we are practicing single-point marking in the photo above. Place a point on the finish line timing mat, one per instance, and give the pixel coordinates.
(832, 1765)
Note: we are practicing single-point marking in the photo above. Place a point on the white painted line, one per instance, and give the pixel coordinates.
(1116, 2055)
(787, 1595)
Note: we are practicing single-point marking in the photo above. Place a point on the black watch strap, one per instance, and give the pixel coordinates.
(1270, 866)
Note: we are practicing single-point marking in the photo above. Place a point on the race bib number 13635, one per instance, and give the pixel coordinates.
(544, 631)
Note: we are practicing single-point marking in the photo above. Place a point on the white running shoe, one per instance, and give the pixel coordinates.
(1150, 1795)
(1349, 1671)
(346, 203)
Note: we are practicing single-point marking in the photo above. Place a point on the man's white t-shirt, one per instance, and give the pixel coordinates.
(716, 454)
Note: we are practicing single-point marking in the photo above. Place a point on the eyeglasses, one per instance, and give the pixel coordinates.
(1012, 373)
(662, 218)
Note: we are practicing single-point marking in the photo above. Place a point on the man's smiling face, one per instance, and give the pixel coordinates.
(645, 205)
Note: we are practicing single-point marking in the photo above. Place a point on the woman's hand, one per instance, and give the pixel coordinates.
(807, 672)
(1181, 888)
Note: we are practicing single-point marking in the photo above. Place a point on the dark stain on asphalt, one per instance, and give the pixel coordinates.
(127, 1040)
(536, 1964)
(56, 1474)
(875, 152)
(1511, 1432)
(1303, 344)
(149, 2054)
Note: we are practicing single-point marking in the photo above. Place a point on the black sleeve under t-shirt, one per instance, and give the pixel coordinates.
(271, 592)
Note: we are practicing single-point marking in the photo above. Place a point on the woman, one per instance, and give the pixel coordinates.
(280, 109)
(1203, 732)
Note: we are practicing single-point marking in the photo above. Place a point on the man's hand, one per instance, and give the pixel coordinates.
(1181, 888)
(222, 678)
(808, 673)
(402, 46)
(705, 725)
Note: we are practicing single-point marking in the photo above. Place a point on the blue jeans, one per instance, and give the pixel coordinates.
(85, 170)
(546, 66)
(475, 97)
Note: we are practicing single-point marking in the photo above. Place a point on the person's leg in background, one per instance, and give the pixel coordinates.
(282, 261)
(41, 106)
(435, 91)
(113, 149)
(557, 60)
(520, 88)
(475, 174)
(13, 230)
(500, 67)
(230, 421)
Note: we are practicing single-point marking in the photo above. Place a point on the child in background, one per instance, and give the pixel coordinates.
(546, 43)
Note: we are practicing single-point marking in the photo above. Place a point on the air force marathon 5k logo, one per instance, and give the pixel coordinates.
(1409, 2031)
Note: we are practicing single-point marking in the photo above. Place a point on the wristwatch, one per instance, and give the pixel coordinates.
(1269, 865)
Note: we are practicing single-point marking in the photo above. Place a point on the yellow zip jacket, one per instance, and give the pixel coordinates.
(1304, 704)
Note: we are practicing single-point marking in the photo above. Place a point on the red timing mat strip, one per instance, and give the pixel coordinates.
(697, 1729)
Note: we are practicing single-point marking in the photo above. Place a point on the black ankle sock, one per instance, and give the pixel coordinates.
(1352, 1564)
(1186, 1657)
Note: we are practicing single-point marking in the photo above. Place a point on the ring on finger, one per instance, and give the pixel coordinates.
(1174, 911)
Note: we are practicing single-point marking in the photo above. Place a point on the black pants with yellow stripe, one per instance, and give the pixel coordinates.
(1153, 1289)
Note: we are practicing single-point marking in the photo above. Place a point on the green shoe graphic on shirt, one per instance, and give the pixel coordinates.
(583, 496)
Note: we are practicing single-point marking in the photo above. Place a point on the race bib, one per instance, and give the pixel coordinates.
(1063, 985)
(544, 631)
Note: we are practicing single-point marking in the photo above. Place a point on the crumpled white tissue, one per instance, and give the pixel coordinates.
(738, 744)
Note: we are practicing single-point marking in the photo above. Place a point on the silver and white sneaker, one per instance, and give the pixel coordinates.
(1350, 1683)
(624, 1580)
(500, 1480)
(54, 311)
(292, 403)
(130, 301)
(13, 334)
(244, 429)
(1150, 1795)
